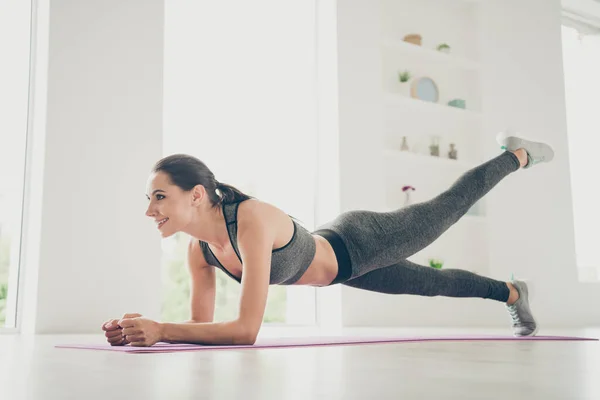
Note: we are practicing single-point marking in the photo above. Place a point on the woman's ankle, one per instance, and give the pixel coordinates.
(513, 294)
(522, 156)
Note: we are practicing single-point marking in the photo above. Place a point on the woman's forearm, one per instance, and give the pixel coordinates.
(216, 333)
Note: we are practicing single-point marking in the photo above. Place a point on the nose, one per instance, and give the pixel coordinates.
(149, 210)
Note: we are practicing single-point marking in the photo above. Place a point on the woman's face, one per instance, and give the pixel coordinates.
(170, 207)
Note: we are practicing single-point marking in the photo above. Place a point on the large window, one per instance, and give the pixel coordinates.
(14, 98)
(581, 55)
(239, 93)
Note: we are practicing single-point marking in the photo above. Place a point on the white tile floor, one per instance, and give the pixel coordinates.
(31, 368)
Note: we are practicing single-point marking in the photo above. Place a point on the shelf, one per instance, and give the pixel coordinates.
(431, 54)
(431, 160)
(394, 100)
(457, 74)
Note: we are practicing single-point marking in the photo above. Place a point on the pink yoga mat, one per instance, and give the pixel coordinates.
(312, 341)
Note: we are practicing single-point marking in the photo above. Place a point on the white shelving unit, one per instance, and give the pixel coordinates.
(431, 55)
(457, 75)
(424, 161)
(395, 102)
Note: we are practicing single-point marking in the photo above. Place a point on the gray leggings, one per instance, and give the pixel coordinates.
(376, 244)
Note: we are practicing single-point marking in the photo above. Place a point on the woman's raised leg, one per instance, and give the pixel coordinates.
(379, 239)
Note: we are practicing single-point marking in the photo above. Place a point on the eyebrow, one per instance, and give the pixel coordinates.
(157, 190)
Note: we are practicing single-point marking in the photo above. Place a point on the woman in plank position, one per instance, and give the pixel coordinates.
(258, 245)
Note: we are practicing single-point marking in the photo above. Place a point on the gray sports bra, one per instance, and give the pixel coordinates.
(288, 263)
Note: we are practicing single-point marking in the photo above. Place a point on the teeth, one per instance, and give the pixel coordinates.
(162, 221)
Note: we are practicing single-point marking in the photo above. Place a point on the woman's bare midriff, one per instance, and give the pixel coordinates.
(323, 269)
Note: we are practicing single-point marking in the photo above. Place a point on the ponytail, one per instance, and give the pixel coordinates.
(229, 194)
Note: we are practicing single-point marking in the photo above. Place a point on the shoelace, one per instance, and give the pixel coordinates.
(512, 310)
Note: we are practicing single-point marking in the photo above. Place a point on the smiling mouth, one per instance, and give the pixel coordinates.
(162, 222)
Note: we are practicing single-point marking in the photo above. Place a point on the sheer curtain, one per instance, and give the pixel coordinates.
(239, 93)
(581, 56)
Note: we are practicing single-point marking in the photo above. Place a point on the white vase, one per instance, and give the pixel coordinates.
(407, 199)
(404, 89)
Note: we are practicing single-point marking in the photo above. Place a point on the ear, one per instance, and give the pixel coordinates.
(198, 194)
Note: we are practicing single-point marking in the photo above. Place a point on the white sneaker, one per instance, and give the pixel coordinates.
(523, 322)
(537, 152)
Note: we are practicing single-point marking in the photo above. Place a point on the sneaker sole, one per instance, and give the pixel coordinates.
(536, 149)
(537, 328)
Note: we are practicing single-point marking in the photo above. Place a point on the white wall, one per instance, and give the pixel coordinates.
(99, 256)
(530, 213)
(360, 104)
(327, 201)
(532, 99)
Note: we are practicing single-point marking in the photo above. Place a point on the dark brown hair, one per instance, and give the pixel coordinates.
(187, 171)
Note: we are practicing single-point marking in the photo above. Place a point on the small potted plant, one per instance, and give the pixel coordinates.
(434, 263)
(444, 48)
(404, 77)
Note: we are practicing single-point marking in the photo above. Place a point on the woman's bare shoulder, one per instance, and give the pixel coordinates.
(195, 255)
(252, 209)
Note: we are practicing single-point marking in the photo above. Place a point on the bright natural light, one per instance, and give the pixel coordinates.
(582, 81)
(239, 94)
(14, 98)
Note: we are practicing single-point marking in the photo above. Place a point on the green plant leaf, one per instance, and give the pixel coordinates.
(404, 76)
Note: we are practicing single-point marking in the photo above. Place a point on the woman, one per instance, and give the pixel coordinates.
(258, 244)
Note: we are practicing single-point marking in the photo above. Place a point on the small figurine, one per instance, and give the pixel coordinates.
(404, 146)
(452, 153)
(434, 149)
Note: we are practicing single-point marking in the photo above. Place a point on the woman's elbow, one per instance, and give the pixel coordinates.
(246, 337)
(246, 341)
